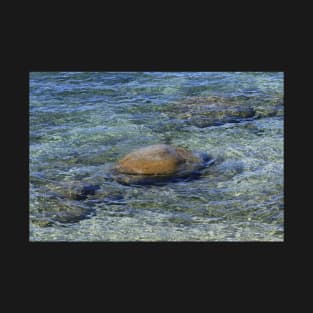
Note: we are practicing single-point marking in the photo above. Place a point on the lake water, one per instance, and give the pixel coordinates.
(82, 123)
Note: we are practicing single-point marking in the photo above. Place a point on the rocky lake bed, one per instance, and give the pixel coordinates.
(155, 156)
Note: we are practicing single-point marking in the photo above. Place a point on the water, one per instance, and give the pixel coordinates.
(81, 123)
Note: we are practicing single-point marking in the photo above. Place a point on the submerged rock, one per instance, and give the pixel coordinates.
(268, 111)
(54, 210)
(211, 111)
(70, 202)
(205, 111)
(158, 163)
(72, 190)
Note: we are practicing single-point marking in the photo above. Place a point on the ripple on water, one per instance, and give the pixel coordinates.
(82, 123)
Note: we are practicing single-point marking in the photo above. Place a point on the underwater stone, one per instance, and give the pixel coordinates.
(72, 190)
(53, 210)
(71, 202)
(152, 160)
(158, 163)
(210, 111)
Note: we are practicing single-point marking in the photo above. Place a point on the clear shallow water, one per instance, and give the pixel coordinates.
(81, 123)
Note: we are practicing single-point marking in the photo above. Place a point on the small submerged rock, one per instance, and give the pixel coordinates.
(72, 190)
(71, 202)
(206, 111)
(211, 111)
(159, 163)
(55, 210)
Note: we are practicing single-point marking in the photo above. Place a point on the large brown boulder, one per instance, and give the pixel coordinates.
(157, 162)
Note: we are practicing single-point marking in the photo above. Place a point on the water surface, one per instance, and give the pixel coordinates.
(81, 123)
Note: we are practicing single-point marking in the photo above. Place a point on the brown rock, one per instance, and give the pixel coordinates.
(151, 160)
(157, 160)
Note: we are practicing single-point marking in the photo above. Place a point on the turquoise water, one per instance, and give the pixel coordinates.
(81, 123)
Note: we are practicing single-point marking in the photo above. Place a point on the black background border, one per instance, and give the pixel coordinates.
(72, 258)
